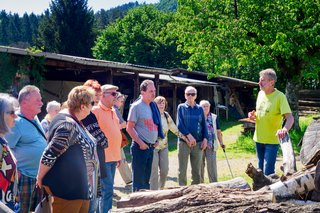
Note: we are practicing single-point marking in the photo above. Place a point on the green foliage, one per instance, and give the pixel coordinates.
(67, 28)
(167, 5)
(141, 37)
(104, 17)
(240, 38)
(7, 72)
(18, 31)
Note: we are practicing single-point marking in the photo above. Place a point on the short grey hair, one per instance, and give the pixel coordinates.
(7, 103)
(189, 88)
(26, 91)
(269, 73)
(52, 105)
(203, 102)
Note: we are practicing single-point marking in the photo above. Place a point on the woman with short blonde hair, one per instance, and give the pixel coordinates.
(66, 163)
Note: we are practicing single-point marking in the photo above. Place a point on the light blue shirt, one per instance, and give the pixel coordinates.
(27, 145)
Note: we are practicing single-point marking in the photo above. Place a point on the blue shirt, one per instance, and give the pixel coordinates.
(191, 120)
(27, 145)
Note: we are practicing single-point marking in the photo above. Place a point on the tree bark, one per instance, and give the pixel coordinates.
(148, 197)
(300, 184)
(292, 93)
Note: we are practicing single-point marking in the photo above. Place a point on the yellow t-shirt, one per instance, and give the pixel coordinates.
(269, 116)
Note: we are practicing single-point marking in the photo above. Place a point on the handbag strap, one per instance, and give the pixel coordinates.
(35, 125)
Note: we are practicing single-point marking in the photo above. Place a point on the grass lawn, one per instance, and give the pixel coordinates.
(240, 149)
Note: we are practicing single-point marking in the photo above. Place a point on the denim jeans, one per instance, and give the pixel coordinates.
(267, 155)
(141, 167)
(105, 202)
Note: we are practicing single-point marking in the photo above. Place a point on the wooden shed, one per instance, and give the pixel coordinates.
(63, 72)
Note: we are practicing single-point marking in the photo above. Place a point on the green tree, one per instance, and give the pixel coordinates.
(72, 23)
(4, 23)
(249, 35)
(141, 37)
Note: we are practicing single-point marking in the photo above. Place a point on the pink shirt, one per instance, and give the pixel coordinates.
(109, 124)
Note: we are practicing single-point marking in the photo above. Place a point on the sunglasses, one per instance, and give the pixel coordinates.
(114, 94)
(191, 94)
(12, 112)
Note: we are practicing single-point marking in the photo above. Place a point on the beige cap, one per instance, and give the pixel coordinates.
(108, 87)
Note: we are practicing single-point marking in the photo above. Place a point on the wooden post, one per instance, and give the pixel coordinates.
(174, 101)
(109, 76)
(136, 86)
(156, 83)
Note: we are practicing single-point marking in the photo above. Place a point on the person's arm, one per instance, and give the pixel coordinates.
(219, 134)
(174, 129)
(134, 135)
(182, 127)
(63, 138)
(204, 131)
(289, 122)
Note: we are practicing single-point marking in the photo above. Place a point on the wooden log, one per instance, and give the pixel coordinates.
(300, 184)
(289, 161)
(310, 150)
(147, 197)
(259, 179)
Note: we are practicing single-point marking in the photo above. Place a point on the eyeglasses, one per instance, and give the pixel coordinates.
(192, 94)
(12, 112)
(92, 103)
(114, 94)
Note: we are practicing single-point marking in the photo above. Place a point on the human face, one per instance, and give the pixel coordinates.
(85, 110)
(150, 94)
(206, 108)
(109, 97)
(10, 118)
(190, 95)
(161, 105)
(265, 84)
(97, 97)
(33, 103)
(54, 111)
(119, 102)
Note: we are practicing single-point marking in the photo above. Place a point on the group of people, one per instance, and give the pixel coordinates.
(75, 150)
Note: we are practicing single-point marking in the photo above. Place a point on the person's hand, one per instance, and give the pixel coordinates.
(192, 141)
(156, 144)
(118, 163)
(123, 125)
(204, 144)
(39, 182)
(222, 145)
(281, 133)
(143, 146)
(252, 115)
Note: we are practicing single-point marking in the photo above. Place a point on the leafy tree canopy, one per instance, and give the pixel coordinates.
(141, 37)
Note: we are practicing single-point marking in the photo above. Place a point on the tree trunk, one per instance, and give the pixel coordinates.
(148, 197)
(292, 93)
(300, 184)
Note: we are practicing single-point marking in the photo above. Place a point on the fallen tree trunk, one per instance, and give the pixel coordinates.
(206, 199)
(297, 186)
(147, 197)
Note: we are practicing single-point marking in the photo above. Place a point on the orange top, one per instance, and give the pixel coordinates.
(109, 124)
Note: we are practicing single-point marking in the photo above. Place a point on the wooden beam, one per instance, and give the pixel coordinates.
(136, 85)
(174, 101)
(156, 83)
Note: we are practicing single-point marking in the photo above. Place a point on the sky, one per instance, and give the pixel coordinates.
(39, 6)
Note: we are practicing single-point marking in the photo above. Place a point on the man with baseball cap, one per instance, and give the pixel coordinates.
(109, 124)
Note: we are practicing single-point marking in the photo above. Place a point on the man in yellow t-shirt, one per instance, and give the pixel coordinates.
(271, 108)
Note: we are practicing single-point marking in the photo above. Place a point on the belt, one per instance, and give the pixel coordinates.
(148, 144)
